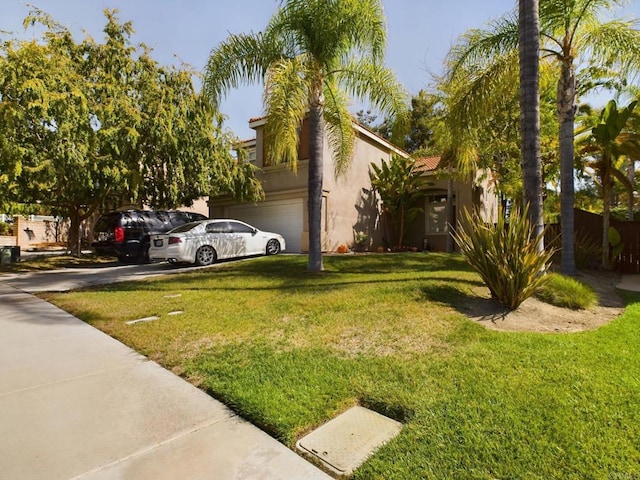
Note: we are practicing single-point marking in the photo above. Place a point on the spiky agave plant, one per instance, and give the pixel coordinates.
(505, 255)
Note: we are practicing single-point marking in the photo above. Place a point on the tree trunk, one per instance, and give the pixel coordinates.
(529, 46)
(74, 233)
(449, 246)
(315, 186)
(631, 176)
(606, 216)
(401, 227)
(566, 116)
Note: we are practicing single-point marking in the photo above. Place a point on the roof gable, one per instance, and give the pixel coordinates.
(363, 131)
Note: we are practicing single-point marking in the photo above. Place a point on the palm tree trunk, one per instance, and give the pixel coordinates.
(566, 116)
(315, 186)
(529, 38)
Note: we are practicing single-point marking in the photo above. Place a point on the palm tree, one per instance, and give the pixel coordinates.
(573, 35)
(312, 56)
(607, 141)
(529, 50)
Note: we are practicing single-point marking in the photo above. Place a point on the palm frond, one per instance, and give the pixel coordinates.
(339, 127)
(371, 82)
(614, 44)
(478, 47)
(328, 29)
(241, 59)
(481, 91)
(286, 97)
(368, 31)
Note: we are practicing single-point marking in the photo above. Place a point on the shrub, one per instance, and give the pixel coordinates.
(360, 241)
(505, 255)
(5, 228)
(567, 292)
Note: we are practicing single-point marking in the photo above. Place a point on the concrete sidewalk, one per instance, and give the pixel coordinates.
(630, 283)
(77, 404)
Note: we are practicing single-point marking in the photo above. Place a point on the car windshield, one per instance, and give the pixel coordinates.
(185, 228)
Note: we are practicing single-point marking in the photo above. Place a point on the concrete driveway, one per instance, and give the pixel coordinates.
(78, 277)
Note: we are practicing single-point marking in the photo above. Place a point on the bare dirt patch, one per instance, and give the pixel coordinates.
(536, 316)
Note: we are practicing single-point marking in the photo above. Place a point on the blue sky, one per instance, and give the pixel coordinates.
(420, 33)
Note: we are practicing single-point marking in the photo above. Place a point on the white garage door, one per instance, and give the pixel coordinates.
(283, 217)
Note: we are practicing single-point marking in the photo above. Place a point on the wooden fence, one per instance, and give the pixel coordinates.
(588, 233)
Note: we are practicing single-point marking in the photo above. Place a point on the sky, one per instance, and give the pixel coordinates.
(420, 33)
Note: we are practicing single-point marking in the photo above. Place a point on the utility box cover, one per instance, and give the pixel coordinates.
(344, 443)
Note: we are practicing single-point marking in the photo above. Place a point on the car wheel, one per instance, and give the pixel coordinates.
(273, 247)
(143, 256)
(205, 255)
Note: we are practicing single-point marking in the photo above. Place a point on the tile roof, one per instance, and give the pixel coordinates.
(427, 164)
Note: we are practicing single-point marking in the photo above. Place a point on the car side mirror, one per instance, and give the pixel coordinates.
(254, 231)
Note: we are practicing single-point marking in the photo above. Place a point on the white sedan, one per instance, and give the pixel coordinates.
(205, 241)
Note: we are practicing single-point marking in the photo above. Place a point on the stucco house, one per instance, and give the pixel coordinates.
(477, 194)
(349, 205)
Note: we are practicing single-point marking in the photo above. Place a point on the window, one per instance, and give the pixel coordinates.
(436, 212)
(218, 227)
(237, 227)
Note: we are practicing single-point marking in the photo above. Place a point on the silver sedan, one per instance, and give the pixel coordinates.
(206, 241)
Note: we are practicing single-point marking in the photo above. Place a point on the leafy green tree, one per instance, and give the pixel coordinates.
(398, 183)
(312, 56)
(579, 42)
(93, 125)
(607, 141)
(426, 112)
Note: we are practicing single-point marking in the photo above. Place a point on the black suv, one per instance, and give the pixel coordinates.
(126, 234)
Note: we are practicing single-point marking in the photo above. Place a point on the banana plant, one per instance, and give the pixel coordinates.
(398, 184)
(610, 139)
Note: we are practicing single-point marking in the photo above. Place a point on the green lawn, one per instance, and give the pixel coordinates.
(290, 350)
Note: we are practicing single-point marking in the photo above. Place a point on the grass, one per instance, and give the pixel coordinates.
(567, 292)
(290, 350)
(54, 262)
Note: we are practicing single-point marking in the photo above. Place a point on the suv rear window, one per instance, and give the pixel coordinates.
(105, 223)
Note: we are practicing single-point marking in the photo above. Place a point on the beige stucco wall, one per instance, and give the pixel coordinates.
(349, 203)
(201, 205)
(35, 233)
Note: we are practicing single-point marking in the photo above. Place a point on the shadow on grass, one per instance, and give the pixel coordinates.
(294, 284)
(469, 304)
(288, 274)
